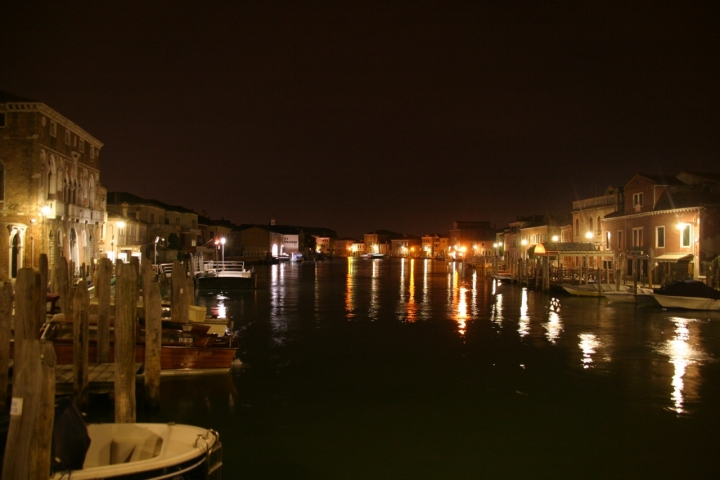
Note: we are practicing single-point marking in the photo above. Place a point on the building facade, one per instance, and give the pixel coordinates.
(50, 192)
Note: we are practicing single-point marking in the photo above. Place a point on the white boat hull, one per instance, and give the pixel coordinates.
(687, 303)
(148, 450)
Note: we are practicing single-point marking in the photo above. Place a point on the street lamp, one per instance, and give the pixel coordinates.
(222, 241)
(157, 239)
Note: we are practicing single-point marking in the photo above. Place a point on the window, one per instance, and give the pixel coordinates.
(67, 137)
(685, 235)
(638, 199)
(637, 239)
(53, 129)
(660, 237)
(92, 151)
(2, 120)
(82, 145)
(607, 241)
(577, 227)
(620, 244)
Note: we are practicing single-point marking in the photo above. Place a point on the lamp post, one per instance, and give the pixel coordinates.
(222, 241)
(157, 239)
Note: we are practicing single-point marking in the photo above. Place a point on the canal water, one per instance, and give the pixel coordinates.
(420, 369)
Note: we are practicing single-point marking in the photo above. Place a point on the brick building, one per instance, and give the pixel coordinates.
(50, 192)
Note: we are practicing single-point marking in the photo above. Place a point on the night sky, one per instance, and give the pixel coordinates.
(360, 116)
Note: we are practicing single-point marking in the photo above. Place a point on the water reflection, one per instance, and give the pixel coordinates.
(350, 289)
(553, 327)
(524, 322)
(685, 356)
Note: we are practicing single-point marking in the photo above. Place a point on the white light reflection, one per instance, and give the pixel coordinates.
(553, 327)
(497, 309)
(374, 304)
(411, 305)
(524, 323)
(589, 344)
(462, 315)
(683, 355)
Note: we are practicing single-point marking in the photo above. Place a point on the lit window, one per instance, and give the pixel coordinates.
(67, 137)
(92, 151)
(82, 145)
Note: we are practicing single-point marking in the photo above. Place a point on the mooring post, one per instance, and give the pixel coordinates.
(63, 288)
(81, 343)
(126, 295)
(153, 342)
(102, 291)
(27, 451)
(178, 300)
(6, 309)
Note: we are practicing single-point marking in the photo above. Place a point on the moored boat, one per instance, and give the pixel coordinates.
(186, 348)
(688, 295)
(136, 451)
(223, 276)
(627, 294)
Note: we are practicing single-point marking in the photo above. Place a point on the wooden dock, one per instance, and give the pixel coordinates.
(101, 378)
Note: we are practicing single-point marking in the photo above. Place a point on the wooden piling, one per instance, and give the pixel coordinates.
(6, 308)
(27, 451)
(25, 306)
(63, 284)
(153, 342)
(126, 295)
(178, 300)
(81, 343)
(102, 291)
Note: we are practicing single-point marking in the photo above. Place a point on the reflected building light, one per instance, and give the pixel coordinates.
(497, 309)
(682, 356)
(373, 309)
(553, 327)
(411, 305)
(461, 315)
(524, 323)
(349, 290)
(588, 345)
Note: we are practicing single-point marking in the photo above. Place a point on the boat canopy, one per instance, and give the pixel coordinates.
(674, 257)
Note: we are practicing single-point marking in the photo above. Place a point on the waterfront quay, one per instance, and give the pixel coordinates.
(410, 368)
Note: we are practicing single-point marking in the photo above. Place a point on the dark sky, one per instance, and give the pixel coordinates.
(391, 115)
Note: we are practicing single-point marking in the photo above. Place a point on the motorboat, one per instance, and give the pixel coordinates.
(230, 275)
(377, 255)
(131, 450)
(186, 347)
(688, 295)
(628, 294)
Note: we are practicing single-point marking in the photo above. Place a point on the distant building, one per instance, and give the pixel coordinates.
(470, 239)
(435, 245)
(51, 197)
(342, 247)
(406, 246)
(380, 241)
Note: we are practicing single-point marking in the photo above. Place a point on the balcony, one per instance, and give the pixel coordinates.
(74, 213)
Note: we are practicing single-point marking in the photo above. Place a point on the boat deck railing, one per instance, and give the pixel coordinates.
(221, 266)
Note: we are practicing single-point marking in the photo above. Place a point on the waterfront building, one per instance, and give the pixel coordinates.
(379, 241)
(408, 246)
(672, 224)
(471, 240)
(358, 249)
(435, 245)
(51, 197)
(174, 227)
(342, 247)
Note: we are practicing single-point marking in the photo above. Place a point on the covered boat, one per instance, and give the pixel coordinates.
(689, 295)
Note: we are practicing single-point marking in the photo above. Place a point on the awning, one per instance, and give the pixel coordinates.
(675, 257)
